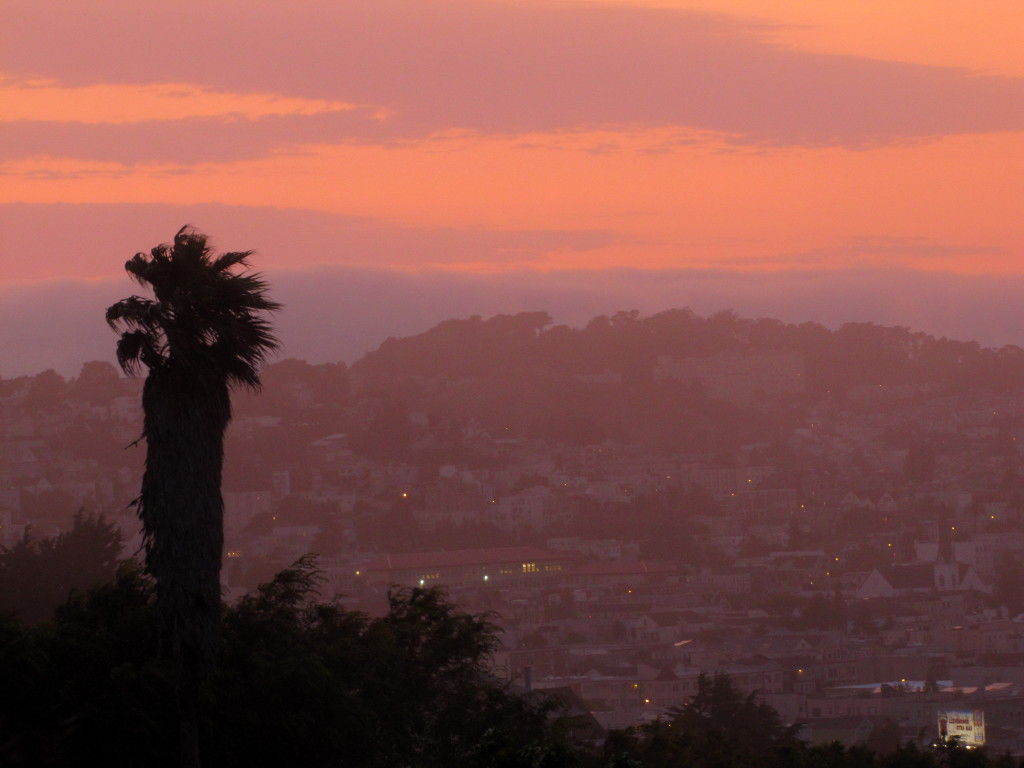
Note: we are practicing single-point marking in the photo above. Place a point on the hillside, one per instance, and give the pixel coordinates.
(673, 380)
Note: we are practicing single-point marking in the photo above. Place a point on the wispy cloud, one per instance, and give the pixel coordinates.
(514, 68)
(49, 101)
(873, 251)
(187, 141)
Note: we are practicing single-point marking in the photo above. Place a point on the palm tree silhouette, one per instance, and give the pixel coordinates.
(204, 333)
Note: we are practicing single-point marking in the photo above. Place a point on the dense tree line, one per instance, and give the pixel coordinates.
(302, 681)
(299, 681)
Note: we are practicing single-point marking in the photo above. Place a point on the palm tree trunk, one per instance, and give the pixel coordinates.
(182, 513)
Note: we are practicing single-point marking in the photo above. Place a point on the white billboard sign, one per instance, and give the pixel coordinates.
(968, 724)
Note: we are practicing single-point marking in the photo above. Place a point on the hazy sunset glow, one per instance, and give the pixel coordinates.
(489, 138)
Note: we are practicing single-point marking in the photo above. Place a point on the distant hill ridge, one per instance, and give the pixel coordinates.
(674, 381)
(631, 346)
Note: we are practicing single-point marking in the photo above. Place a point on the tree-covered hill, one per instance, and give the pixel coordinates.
(631, 345)
(673, 380)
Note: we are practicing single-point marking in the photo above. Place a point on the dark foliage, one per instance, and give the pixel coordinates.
(87, 688)
(37, 575)
(298, 682)
(304, 682)
(719, 727)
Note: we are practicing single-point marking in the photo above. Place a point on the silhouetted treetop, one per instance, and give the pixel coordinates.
(206, 316)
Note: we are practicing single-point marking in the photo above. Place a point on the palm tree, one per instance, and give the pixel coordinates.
(203, 334)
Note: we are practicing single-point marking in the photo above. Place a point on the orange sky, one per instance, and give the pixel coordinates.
(729, 135)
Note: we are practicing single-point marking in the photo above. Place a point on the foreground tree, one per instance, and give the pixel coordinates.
(204, 333)
(298, 682)
(37, 575)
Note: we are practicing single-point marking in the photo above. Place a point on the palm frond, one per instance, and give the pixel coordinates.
(135, 349)
(133, 312)
(226, 261)
(208, 316)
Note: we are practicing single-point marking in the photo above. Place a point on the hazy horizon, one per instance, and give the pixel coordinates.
(337, 314)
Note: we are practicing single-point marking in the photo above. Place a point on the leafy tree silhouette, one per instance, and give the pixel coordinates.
(204, 333)
(299, 681)
(37, 575)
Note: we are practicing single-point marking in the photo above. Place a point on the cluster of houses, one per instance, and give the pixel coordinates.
(852, 597)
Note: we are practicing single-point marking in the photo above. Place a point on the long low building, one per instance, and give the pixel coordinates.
(498, 566)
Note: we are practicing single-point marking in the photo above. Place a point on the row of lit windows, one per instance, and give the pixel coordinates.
(527, 568)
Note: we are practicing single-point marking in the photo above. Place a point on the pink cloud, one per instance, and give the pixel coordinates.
(511, 67)
(186, 142)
